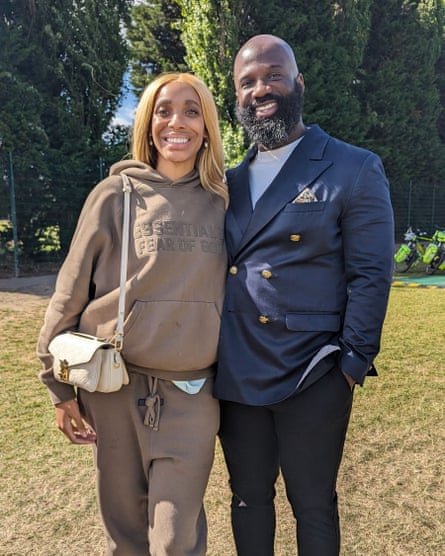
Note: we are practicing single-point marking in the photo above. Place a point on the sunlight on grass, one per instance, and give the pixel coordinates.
(391, 485)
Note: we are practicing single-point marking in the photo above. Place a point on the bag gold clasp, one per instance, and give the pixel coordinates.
(64, 372)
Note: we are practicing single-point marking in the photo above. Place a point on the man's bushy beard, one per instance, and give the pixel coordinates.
(273, 132)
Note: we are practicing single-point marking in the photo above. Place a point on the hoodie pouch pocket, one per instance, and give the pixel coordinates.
(172, 335)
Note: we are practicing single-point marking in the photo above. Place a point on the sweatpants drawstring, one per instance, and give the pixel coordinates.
(153, 405)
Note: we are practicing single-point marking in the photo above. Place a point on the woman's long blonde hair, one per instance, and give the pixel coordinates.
(210, 158)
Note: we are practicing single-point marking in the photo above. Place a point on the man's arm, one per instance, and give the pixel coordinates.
(368, 239)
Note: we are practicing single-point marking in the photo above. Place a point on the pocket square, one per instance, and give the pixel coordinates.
(306, 196)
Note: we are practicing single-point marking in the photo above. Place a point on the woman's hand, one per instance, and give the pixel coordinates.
(70, 422)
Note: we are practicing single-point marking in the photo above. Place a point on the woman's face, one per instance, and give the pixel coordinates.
(177, 129)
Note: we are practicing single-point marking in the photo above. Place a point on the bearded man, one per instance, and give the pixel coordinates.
(309, 233)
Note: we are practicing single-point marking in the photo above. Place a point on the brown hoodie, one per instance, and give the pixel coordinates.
(176, 270)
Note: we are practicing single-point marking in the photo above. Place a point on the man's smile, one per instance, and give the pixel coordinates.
(267, 109)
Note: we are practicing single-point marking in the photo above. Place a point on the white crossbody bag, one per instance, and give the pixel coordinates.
(89, 362)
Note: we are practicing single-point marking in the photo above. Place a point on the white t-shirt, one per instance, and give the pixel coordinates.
(265, 167)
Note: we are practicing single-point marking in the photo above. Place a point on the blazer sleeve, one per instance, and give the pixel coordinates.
(368, 238)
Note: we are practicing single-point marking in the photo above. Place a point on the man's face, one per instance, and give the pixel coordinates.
(270, 95)
(276, 129)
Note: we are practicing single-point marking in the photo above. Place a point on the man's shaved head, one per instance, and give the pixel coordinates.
(262, 45)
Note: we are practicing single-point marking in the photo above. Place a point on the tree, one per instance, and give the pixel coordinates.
(156, 46)
(65, 61)
(399, 88)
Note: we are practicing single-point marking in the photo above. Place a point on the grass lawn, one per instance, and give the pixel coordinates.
(391, 486)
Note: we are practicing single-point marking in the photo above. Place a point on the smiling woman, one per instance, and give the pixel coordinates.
(177, 129)
(177, 264)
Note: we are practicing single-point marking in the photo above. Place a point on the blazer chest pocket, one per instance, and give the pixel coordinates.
(313, 322)
(318, 206)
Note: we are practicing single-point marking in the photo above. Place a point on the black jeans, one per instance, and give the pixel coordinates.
(304, 435)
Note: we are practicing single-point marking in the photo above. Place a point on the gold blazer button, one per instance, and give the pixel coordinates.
(233, 270)
(263, 319)
(295, 237)
(266, 274)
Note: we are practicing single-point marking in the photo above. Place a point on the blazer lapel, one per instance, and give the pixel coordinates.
(304, 165)
(240, 208)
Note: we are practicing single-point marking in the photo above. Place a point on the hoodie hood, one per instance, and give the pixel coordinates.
(144, 172)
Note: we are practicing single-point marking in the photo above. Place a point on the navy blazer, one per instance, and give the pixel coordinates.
(306, 279)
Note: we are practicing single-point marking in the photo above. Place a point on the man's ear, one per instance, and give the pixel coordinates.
(300, 80)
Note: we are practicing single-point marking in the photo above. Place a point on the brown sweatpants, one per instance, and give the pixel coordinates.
(154, 451)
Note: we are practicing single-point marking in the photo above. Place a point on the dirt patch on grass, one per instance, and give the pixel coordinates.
(27, 292)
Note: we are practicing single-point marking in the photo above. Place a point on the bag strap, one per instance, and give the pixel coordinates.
(119, 335)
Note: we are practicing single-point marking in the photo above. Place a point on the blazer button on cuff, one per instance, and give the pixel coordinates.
(233, 270)
(263, 319)
(266, 274)
(295, 237)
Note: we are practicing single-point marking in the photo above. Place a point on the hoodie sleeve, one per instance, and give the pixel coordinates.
(95, 234)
